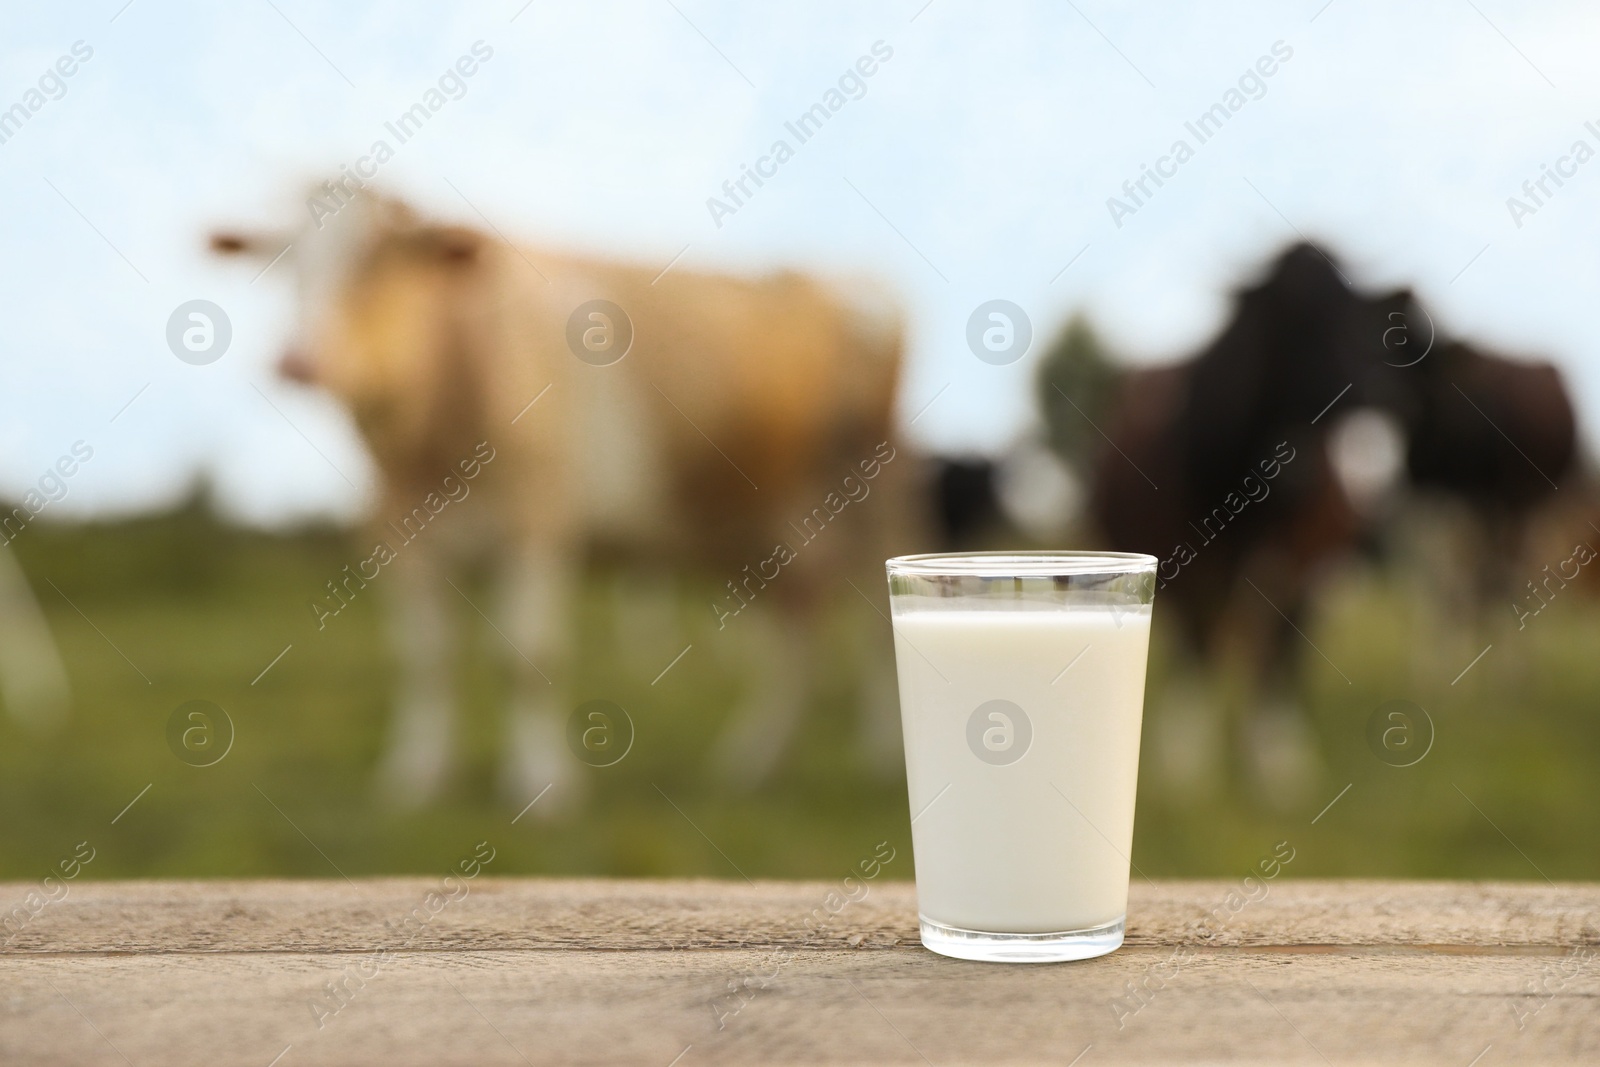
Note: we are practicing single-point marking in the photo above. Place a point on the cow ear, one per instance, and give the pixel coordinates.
(229, 243)
(260, 243)
(454, 246)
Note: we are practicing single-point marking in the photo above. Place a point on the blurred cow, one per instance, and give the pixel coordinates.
(1254, 466)
(1222, 467)
(1498, 435)
(708, 422)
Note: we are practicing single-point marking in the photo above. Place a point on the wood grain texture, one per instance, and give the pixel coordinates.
(567, 971)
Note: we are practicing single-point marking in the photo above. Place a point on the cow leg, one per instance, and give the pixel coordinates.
(779, 640)
(647, 625)
(1187, 730)
(879, 738)
(531, 615)
(1186, 724)
(1279, 745)
(888, 525)
(420, 745)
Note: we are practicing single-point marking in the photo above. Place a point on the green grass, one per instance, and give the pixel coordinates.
(180, 607)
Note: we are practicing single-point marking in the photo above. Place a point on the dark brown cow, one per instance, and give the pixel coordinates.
(1222, 466)
(1499, 435)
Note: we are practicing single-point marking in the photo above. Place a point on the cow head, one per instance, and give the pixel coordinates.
(379, 297)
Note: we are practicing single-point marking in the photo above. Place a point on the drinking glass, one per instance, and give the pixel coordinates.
(1021, 697)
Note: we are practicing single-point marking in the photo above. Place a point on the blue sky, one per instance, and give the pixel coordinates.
(976, 166)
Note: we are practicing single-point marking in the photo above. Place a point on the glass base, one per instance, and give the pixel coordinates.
(1021, 948)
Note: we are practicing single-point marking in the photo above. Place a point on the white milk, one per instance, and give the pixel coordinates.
(1040, 844)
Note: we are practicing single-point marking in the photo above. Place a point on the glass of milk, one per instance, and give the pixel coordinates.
(1021, 697)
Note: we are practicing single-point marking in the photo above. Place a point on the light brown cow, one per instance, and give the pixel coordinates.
(740, 417)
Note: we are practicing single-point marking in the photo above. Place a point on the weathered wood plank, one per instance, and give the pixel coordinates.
(502, 913)
(825, 1007)
(607, 972)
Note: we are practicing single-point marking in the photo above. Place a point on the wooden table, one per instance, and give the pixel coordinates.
(657, 973)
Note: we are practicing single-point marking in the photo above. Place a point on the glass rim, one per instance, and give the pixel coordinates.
(1041, 563)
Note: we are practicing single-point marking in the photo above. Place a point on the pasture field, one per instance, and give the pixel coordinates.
(154, 612)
